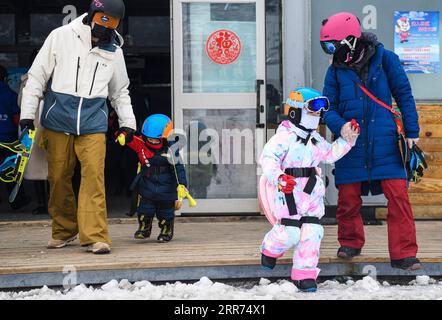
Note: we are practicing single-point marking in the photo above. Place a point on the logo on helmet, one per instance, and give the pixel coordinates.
(104, 19)
(98, 4)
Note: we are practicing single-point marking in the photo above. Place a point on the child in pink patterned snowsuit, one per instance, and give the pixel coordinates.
(290, 162)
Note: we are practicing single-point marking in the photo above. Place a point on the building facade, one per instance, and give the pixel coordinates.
(221, 70)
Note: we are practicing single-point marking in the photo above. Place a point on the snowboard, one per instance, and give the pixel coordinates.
(13, 168)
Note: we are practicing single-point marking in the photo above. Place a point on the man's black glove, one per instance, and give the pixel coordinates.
(128, 132)
(27, 124)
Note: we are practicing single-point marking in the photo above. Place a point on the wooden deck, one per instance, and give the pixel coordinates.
(200, 245)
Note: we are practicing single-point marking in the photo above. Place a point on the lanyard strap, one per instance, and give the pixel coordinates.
(381, 103)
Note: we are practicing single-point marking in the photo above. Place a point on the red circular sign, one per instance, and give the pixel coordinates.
(223, 46)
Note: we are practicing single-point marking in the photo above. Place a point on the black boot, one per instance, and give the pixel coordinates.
(166, 227)
(145, 227)
(410, 263)
(307, 285)
(348, 253)
(267, 262)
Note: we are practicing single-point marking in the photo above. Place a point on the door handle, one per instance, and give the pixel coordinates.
(259, 106)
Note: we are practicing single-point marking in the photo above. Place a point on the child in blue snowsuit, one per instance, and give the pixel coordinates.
(157, 183)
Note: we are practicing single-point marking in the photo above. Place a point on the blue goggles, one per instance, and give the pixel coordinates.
(329, 47)
(312, 105)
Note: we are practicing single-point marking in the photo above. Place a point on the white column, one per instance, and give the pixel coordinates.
(296, 29)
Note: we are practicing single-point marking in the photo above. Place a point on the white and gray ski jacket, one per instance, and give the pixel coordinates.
(77, 79)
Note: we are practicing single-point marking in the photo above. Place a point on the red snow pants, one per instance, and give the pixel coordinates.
(401, 227)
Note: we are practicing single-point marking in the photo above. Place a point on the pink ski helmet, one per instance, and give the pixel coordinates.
(336, 31)
(339, 26)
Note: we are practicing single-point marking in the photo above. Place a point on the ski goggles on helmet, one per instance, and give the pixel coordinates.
(106, 20)
(313, 105)
(330, 47)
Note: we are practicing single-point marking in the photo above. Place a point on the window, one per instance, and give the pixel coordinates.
(42, 25)
(150, 31)
(7, 29)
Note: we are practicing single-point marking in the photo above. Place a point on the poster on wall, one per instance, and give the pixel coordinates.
(416, 40)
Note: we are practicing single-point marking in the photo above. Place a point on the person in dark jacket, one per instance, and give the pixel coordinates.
(374, 164)
(9, 121)
(158, 180)
(9, 110)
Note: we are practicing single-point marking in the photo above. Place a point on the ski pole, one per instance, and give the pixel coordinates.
(182, 191)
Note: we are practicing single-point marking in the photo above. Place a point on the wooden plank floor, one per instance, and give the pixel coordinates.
(205, 243)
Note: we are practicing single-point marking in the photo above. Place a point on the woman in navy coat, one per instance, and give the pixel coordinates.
(374, 164)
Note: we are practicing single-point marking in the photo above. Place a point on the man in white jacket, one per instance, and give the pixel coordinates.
(79, 66)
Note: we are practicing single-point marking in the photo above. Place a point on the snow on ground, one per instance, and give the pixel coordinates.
(366, 289)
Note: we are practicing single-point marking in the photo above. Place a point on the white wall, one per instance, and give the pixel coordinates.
(296, 44)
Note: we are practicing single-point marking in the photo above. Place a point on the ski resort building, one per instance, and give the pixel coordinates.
(226, 106)
(174, 70)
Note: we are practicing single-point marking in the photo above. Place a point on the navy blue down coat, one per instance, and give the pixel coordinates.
(159, 182)
(376, 155)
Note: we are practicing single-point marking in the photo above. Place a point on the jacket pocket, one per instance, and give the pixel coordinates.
(50, 108)
(93, 78)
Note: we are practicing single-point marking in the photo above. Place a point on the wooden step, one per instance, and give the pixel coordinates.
(428, 107)
(426, 185)
(426, 199)
(431, 144)
(430, 117)
(433, 172)
(420, 212)
(431, 131)
(433, 158)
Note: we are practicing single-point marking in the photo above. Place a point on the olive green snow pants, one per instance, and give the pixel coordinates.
(89, 220)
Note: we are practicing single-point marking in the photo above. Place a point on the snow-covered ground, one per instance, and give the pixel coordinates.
(366, 289)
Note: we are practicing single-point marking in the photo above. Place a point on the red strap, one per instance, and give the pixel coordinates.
(381, 103)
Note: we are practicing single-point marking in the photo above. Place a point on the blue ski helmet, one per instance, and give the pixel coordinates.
(157, 126)
(310, 99)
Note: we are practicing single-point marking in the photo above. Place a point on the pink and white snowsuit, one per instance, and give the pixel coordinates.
(287, 150)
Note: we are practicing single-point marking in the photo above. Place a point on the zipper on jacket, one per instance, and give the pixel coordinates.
(79, 115)
(93, 79)
(78, 70)
(366, 136)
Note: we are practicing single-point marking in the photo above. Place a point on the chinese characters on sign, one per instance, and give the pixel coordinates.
(223, 47)
(416, 40)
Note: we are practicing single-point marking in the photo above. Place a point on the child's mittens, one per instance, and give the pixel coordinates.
(350, 132)
(178, 204)
(286, 183)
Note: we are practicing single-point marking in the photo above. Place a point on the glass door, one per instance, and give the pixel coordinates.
(219, 100)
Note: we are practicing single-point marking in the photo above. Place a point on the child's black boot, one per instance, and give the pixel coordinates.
(267, 262)
(307, 285)
(144, 228)
(166, 227)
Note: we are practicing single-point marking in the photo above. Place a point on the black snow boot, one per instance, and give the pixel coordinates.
(410, 263)
(166, 227)
(348, 253)
(267, 262)
(145, 227)
(307, 285)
